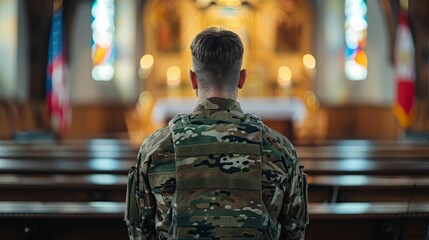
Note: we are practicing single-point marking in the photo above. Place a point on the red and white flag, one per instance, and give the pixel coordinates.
(403, 107)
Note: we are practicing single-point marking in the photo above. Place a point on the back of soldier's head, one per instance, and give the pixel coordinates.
(217, 57)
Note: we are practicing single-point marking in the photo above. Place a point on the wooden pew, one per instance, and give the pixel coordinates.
(53, 152)
(369, 221)
(103, 220)
(62, 166)
(335, 145)
(362, 149)
(62, 187)
(365, 166)
(365, 149)
(75, 158)
(116, 209)
(333, 220)
(75, 149)
(362, 142)
(76, 143)
(62, 220)
(338, 155)
(111, 187)
(70, 154)
(118, 166)
(363, 188)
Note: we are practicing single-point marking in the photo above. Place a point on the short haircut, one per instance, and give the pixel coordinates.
(217, 55)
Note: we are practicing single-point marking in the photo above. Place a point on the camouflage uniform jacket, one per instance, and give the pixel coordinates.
(151, 183)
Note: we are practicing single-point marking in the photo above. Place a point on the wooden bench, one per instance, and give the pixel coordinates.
(362, 142)
(67, 144)
(53, 152)
(111, 187)
(120, 148)
(355, 210)
(363, 188)
(94, 148)
(118, 166)
(329, 179)
(62, 220)
(365, 167)
(62, 187)
(338, 155)
(364, 149)
(71, 154)
(369, 221)
(59, 166)
(77, 143)
(103, 220)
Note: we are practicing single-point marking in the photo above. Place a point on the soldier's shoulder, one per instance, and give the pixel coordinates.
(279, 141)
(156, 140)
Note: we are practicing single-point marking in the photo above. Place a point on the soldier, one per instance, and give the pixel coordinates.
(216, 172)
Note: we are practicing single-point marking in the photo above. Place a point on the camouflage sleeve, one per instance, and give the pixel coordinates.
(139, 209)
(294, 210)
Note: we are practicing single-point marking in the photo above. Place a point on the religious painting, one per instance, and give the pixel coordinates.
(168, 26)
(289, 26)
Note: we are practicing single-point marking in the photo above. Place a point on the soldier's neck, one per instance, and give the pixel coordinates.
(204, 95)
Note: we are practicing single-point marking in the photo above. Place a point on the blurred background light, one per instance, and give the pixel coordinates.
(284, 76)
(309, 61)
(146, 61)
(173, 76)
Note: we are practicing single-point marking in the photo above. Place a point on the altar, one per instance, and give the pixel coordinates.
(280, 113)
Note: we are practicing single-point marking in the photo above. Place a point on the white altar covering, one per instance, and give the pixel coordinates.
(273, 108)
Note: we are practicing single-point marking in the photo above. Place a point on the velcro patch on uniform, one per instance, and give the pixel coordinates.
(218, 147)
(225, 183)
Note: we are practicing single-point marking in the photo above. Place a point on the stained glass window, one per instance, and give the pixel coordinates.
(103, 41)
(356, 60)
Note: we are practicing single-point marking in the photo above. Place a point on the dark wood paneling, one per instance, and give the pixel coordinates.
(90, 121)
(361, 122)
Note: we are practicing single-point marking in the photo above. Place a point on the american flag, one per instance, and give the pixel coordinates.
(57, 96)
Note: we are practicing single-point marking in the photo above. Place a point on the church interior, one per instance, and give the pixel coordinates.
(83, 83)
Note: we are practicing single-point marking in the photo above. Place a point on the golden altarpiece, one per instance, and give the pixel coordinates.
(275, 34)
(277, 37)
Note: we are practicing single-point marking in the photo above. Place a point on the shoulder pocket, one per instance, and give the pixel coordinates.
(304, 188)
(163, 186)
(276, 201)
(132, 209)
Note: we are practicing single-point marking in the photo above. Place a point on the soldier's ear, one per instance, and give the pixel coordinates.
(242, 79)
(193, 78)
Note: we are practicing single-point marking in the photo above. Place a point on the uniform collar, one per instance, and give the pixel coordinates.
(216, 103)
